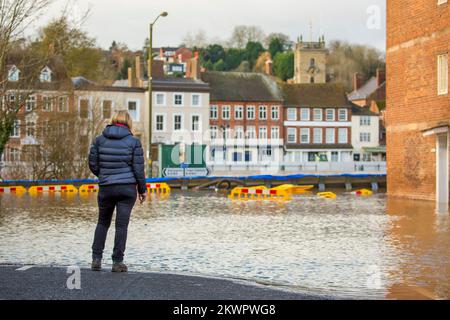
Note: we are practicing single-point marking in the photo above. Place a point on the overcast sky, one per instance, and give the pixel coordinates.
(127, 20)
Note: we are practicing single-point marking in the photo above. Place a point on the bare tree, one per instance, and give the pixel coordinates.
(243, 34)
(198, 40)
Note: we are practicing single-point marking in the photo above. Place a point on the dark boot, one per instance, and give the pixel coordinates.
(119, 267)
(96, 265)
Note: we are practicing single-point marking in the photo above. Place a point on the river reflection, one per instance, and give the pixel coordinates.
(370, 247)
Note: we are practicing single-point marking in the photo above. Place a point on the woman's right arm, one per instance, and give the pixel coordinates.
(93, 158)
(138, 167)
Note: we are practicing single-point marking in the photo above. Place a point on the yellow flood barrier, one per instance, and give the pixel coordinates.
(89, 188)
(363, 192)
(13, 189)
(159, 188)
(53, 188)
(328, 195)
(253, 193)
(294, 189)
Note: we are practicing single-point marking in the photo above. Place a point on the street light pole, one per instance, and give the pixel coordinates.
(150, 101)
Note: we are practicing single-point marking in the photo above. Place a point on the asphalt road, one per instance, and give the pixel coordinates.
(52, 283)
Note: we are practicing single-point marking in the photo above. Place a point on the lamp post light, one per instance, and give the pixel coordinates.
(150, 62)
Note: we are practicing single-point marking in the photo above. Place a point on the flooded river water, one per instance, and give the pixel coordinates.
(357, 247)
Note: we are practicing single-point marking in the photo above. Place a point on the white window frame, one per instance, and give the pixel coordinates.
(239, 132)
(214, 112)
(291, 114)
(112, 108)
(341, 141)
(213, 132)
(308, 111)
(291, 132)
(262, 110)
(364, 121)
(333, 113)
(66, 104)
(333, 137)
(31, 100)
(317, 111)
(364, 137)
(199, 122)
(315, 135)
(345, 111)
(239, 110)
(164, 122)
(182, 99)
(181, 122)
(275, 110)
(164, 97)
(45, 75)
(51, 100)
(302, 134)
(225, 109)
(138, 108)
(199, 100)
(30, 125)
(13, 74)
(262, 129)
(252, 131)
(15, 132)
(274, 132)
(251, 110)
(442, 66)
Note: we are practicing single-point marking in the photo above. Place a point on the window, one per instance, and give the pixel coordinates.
(46, 75)
(226, 112)
(227, 132)
(160, 99)
(330, 135)
(304, 135)
(262, 112)
(160, 121)
(48, 104)
(251, 132)
(317, 135)
(292, 135)
(441, 2)
(30, 103)
(178, 99)
(177, 122)
(239, 112)
(248, 156)
(30, 128)
(317, 115)
(334, 156)
(292, 114)
(213, 113)
(343, 135)
(106, 109)
(133, 110)
(311, 80)
(342, 115)
(304, 114)
(195, 123)
(251, 112)
(262, 132)
(329, 114)
(13, 74)
(237, 156)
(364, 121)
(196, 101)
(239, 132)
(443, 74)
(312, 63)
(275, 113)
(275, 132)
(213, 132)
(62, 104)
(265, 153)
(15, 132)
(364, 136)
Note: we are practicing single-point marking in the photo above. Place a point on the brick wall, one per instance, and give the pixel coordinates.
(417, 32)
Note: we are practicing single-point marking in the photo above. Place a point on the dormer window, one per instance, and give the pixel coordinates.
(46, 75)
(13, 74)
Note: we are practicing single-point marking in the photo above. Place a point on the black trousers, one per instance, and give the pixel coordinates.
(122, 198)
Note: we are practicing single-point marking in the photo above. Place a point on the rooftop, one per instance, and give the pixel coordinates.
(366, 90)
(315, 95)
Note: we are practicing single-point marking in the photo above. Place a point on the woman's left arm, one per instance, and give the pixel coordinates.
(93, 158)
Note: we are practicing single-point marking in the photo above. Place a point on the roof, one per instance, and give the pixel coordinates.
(320, 146)
(179, 84)
(242, 87)
(315, 95)
(366, 90)
(363, 111)
(81, 83)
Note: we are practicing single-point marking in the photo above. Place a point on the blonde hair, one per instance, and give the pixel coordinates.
(122, 117)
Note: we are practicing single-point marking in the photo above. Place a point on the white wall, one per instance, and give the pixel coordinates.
(373, 129)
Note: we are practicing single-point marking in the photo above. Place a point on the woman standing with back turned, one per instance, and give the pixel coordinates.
(117, 159)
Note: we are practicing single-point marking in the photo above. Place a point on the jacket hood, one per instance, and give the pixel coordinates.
(115, 132)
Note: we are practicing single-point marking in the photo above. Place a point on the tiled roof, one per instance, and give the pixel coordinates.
(242, 87)
(315, 95)
(179, 84)
(366, 90)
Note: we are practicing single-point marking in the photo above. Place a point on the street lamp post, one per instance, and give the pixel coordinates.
(150, 62)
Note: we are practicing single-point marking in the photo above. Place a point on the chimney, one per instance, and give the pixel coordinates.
(268, 67)
(131, 79)
(193, 67)
(358, 81)
(381, 76)
(137, 61)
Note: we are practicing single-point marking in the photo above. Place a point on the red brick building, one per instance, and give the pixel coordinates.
(246, 118)
(418, 104)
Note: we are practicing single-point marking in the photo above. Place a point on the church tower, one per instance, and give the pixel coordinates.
(310, 61)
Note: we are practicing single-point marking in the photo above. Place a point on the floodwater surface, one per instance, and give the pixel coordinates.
(352, 247)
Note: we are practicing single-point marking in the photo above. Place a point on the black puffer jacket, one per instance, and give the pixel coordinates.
(116, 157)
